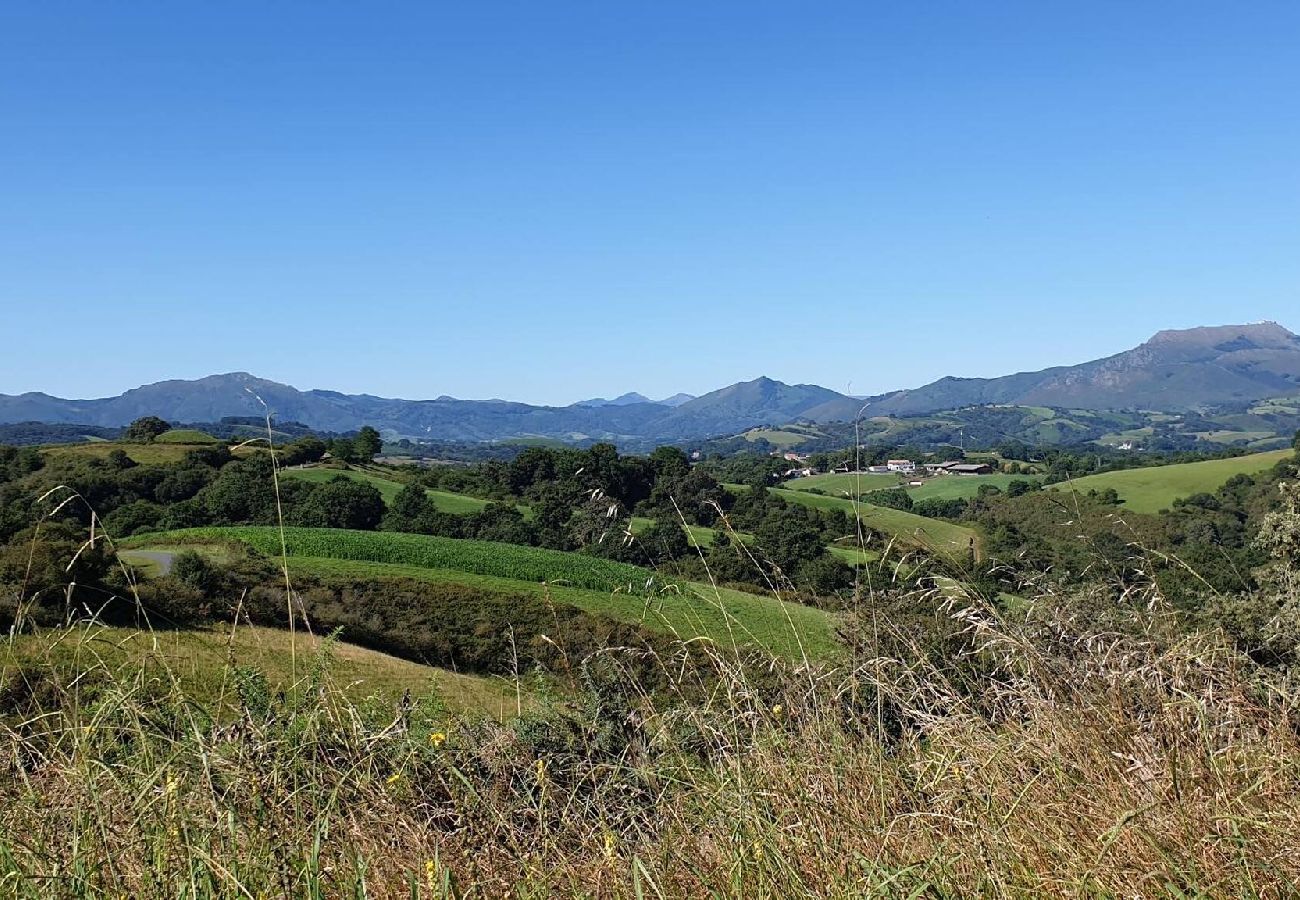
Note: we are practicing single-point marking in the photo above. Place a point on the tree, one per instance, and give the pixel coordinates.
(367, 443)
(344, 449)
(664, 541)
(788, 538)
(145, 429)
(342, 503)
(307, 448)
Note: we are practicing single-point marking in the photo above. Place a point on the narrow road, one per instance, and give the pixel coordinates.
(162, 558)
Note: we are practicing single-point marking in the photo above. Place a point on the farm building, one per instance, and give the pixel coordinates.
(878, 470)
(900, 465)
(970, 469)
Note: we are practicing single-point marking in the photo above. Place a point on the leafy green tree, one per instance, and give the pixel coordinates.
(367, 444)
(664, 541)
(788, 538)
(145, 429)
(342, 503)
(305, 449)
(893, 498)
(344, 450)
(411, 511)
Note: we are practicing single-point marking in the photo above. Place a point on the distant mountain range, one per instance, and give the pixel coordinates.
(634, 397)
(1174, 371)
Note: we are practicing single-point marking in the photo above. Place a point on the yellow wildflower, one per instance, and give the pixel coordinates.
(777, 709)
(394, 778)
(541, 770)
(438, 738)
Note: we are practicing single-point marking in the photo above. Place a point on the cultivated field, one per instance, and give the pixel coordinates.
(623, 592)
(1154, 488)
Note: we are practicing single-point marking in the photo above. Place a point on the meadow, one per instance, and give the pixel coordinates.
(443, 501)
(197, 659)
(1151, 489)
(844, 484)
(942, 537)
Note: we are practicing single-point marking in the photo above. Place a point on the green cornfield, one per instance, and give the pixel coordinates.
(478, 557)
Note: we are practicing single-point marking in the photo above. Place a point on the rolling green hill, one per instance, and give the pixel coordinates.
(947, 487)
(1154, 488)
(186, 436)
(841, 484)
(931, 534)
(198, 658)
(623, 592)
(444, 501)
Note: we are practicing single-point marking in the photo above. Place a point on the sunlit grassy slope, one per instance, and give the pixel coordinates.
(1154, 488)
(198, 659)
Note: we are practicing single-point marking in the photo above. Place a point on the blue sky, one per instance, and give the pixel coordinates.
(549, 201)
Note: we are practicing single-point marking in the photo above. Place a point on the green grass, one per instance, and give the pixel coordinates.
(947, 487)
(186, 436)
(854, 556)
(777, 438)
(932, 534)
(688, 610)
(443, 501)
(198, 659)
(1151, 489)
(479, 557)
(628, 593)
(841, 484)
(144, 454)
(1228, 437)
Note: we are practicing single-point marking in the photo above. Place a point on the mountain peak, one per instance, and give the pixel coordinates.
(1258, 334)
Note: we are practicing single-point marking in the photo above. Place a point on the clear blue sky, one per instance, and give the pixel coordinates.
(546, 201)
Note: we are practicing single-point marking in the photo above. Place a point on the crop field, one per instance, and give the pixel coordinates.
(479, 557)
(198, 660)
(620, 591)
(1149, 490)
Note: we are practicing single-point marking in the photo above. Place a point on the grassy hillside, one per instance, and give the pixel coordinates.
(623, 592)
(1152, 489)
(838, 484)
(444, 501)
(932, 534)
(145, 454)
(946, 487)
(186, 436)
(198, 661)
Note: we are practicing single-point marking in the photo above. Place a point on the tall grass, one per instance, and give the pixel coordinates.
(1052, 759)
